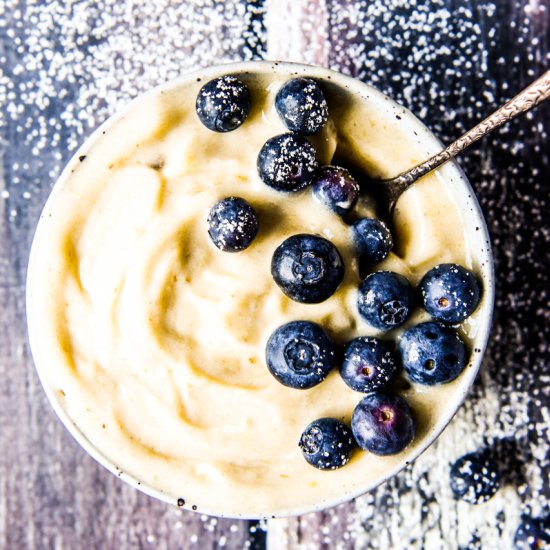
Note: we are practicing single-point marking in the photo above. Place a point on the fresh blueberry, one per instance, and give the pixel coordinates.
(385, 299)
(450, 292)
(474, 477)
(533, 534)
(307, 268)
(300, 354)
(373, 240)
(287, 162)
(223, 104)
(232, 224)
(302, 106)
(432, 353)
(368, 364)
(336, 188)
(382, 424)
(327, 444)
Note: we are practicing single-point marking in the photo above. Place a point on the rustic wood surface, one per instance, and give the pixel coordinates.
(65, 66)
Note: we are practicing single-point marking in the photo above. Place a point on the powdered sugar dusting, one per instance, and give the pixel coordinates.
(287, 162)
(302, 106)
(64, 68)
(72, 65)
(451, 64)
(68, 66)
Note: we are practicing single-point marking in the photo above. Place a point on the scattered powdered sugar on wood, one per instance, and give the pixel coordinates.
(65, 68)
(72, 65)
(451, 67)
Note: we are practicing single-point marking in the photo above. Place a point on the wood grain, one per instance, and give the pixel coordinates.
(52, 495)
(467, 59)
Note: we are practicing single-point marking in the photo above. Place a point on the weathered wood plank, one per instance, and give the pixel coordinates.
(452, 63)
(66, 67)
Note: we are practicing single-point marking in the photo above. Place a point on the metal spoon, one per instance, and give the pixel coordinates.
(389, 190)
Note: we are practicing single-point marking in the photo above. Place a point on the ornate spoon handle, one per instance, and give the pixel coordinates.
(530, 97)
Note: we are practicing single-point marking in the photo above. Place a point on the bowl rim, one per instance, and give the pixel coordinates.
(432, 144)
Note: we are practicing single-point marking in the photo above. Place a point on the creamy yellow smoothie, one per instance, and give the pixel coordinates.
(150, 341)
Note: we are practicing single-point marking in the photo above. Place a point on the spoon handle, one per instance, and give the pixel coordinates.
(530, 97)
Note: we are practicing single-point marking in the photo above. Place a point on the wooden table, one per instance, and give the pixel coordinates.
(64, 67)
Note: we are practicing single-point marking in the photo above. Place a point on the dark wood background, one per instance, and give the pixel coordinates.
(64, 67)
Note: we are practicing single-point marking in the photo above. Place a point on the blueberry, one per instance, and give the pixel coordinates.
(287, 162)
(474, 477)
(368, 364)
(372, 239)
(232, 224)
(336, 188)
(327, 444)
(223, 104)
(450, 292)
(432, 353)
(302, 106)
(385, 299)
(533, 534)
(300, 354)
(382, 424)
(307, 268)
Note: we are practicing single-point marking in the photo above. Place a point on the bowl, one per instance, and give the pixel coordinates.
(149, 341)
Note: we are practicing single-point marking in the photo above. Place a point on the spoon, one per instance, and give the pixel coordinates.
(389, 190)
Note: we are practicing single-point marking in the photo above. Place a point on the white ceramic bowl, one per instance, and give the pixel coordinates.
(477, 234)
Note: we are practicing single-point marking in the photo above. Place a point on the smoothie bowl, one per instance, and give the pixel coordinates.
(203, 290)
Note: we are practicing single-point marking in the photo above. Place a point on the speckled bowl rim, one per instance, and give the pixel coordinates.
(450, 170)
